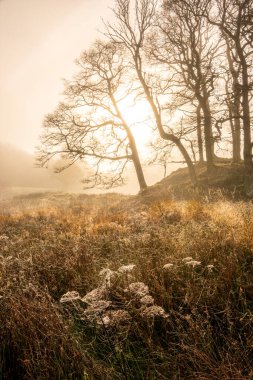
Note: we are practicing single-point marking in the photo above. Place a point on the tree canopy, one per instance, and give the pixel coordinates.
(188, 61)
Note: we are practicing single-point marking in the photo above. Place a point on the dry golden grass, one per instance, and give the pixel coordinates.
(60, 244)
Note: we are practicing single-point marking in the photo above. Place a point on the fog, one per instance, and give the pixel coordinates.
(39, 42)
(19, 174)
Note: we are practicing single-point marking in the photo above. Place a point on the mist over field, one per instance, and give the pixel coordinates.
(19, 175)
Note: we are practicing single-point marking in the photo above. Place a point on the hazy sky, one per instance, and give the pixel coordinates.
(39, 41)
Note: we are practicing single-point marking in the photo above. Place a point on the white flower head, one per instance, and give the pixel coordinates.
(188, 258)
(106, 320)
(106, 272)
(97, 307)
(95, 295)
(193, 263)
(210, 267)
(154, 311)
(168, 266)
(119, 316)
(139, 289)
(70, 297)
(115, 318)
(126, 268)
(147, 300)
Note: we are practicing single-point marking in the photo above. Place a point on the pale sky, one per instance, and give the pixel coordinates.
(39, 41)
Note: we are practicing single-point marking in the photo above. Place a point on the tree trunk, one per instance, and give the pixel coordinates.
(247, 149)
(156, 112)
(234, 106)
(199, 135)
(235, 125)
(137, 165)
(135, 157)
(178, 143)
(237, 133)
(208, 134)
(133, 147)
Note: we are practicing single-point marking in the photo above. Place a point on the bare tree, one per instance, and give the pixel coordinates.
(133, 21)
(235, 20)
(89, 124)
(190, 46)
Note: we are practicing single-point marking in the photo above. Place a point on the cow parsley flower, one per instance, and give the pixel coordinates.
(115, 318)
(139, 289)
(106, 320)
(168, 266)
(188, 258)
(70, 297)
(154, 311)
(98, 306)
(147, 300)
(119, 316)
(126, 268)
(193, 263)
(95, 295)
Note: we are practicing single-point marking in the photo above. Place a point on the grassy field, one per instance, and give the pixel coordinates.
(116, 287)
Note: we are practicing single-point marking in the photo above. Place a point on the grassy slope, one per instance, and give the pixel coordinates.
(55, 243)
(227, 179)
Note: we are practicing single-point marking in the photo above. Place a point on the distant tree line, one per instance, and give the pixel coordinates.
(193, 58)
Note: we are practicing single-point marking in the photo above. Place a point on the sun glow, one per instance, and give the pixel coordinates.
(138, 116)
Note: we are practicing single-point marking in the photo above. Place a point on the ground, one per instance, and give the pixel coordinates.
(153, 286)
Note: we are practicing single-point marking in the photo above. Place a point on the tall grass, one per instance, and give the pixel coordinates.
(70, 308)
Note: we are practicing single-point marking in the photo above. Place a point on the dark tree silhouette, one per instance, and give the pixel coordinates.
(235, 20)
(89, 124)
(233, 98)
(189, 45)
(133, 21)
(193, 56)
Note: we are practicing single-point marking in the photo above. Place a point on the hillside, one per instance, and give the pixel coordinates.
(228, 180)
